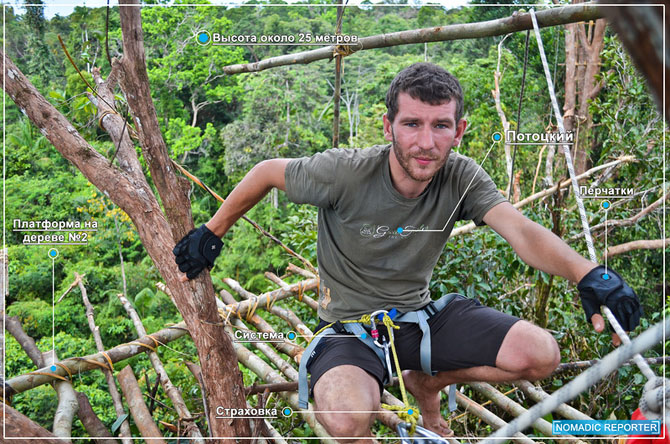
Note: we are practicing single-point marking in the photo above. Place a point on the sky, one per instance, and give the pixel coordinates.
(64, 8)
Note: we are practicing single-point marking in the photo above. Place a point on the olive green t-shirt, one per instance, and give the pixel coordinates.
(368, 260)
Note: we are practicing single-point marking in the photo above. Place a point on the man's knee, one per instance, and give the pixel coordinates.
(347, 425)
(529, 350)
(342, 390)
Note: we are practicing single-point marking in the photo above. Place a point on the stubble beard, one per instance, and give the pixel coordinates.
(404, 159)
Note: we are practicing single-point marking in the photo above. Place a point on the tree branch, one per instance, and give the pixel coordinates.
(195, 299)
(517, 22)
(13, 326)
(169, 388)
(91, 422)
(627, 222)
(125, 432)
(131, 391)
(548, 191)
(637, 245)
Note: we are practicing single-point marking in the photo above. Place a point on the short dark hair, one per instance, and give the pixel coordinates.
(427, 82)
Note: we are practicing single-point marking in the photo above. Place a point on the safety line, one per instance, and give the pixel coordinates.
(588, 378)
(639, 361)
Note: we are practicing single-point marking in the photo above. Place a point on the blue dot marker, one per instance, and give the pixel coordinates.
(287, 411)
(364, 335)
(291, 335)
(606, 204)
(53, 253)
(606, 276)
(410, 411)
(203, 38)
(400, 230)
(53, 368)
(497, 137)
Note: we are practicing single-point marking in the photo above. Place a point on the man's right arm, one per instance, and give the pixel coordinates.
(200, 247)
(256, 184)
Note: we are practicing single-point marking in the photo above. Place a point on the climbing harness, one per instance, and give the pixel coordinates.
(384, 348)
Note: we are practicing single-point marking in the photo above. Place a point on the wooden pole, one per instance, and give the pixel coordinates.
(311, 303)
(95, 361)
(173, 393)
(514, 23)
(16, 425)
(485, 415)
(283, 313)
(537, 394)
(67, 402)
(138, 409)
(515, 408)
(338, 82)
(125, 433)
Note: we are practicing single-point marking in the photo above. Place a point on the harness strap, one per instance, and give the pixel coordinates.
(303, 388)
(421, 317)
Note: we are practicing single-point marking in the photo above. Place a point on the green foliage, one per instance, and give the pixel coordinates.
(219, 126)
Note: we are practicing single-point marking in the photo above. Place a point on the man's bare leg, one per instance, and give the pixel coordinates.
(527, 352)
(347, 389)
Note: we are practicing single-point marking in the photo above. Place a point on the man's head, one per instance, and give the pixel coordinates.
(426, 82)
(425, 104)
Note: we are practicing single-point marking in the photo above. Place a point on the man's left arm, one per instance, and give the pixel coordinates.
(536, 245)
(543, 250)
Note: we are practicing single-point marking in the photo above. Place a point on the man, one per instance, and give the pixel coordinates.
(381, 214)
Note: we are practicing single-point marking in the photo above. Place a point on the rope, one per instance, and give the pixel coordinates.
(405, 412)
(94, 362)
(64, 367)
(518, 114)
(109, 360)
(607, 365)
(50, 374)
(143, 345)
(270, 303)
(252, 310)
(639, 361)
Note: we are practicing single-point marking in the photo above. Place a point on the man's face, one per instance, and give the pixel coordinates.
(422, 136)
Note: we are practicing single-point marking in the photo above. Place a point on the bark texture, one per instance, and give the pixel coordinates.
(17, 425)
(640, 29)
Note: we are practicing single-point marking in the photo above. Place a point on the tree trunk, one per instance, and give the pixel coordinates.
(127, 188)
(640, 29)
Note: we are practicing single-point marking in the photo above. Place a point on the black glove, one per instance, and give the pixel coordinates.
(197, 250)
(599, 288)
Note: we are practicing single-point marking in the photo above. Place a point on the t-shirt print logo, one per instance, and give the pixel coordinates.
(379, 231)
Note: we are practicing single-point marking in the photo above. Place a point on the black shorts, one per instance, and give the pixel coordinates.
(464, 334)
